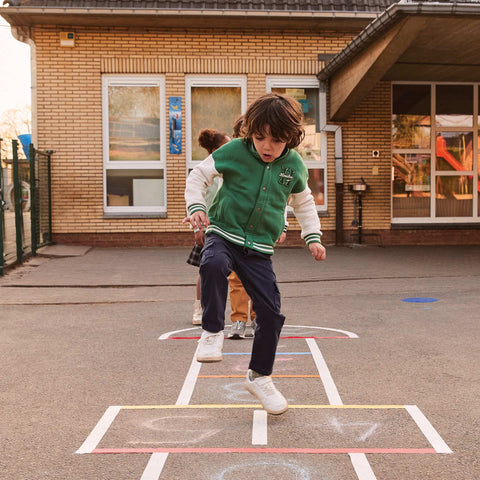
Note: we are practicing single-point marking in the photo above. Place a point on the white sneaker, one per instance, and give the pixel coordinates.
(197, 313)
(210, 347)
(237, 330)
(266, 392)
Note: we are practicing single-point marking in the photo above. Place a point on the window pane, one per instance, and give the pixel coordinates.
(411, 100)
(454, 151)
(411, 116)
(308, 98)
(411, 185)
(454, 105)
(454, 196)
(213, 107)
(135, 188)
(134, 123)
(411, 131)
(316, 182)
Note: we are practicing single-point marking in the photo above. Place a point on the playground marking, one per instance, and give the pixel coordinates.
(427, 429)
(315, 451)
(327, 380)
(154, 466)
(361, 466)
(278, 353)
(419, 300)
(99, 431)
(345, 333)
(273, 376)
(189, 384)
(260, 427)
(363, 470)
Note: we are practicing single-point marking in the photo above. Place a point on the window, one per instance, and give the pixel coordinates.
(211, 102)
(441, 157)
(134, 148)
(306, 91)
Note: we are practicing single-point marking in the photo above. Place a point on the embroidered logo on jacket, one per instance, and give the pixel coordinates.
(286, 176)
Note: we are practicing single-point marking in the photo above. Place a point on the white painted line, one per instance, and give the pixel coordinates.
(189, 384)
(427, 429)
(154, 466)
(346, 332)
(100, 429)
(165, 336)
(362, 467)
(327, 380)
(259, 427)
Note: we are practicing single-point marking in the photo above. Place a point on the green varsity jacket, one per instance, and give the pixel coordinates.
(249, 207)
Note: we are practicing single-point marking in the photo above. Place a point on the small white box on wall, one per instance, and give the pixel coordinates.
(67, 39)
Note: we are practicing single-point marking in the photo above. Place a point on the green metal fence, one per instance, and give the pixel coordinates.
(26, 212)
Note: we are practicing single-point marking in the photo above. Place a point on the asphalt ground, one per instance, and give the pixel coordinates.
(379, 387)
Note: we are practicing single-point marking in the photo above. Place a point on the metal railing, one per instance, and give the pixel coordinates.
(26, 205)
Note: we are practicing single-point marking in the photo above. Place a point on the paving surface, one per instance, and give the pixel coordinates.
(379, 361)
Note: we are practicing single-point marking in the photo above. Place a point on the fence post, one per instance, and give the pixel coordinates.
(49, 166)
(2, 230)
(33, 200)
(17, 191)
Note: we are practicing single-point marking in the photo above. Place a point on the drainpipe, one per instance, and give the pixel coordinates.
(337, 129)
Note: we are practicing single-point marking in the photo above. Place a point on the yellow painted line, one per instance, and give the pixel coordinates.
(273, 376)
(226, 406)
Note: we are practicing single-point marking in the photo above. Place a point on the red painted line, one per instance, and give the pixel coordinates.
(324, 338)
(267, 450)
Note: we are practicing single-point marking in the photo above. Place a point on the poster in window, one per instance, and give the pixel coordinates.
(175, 124)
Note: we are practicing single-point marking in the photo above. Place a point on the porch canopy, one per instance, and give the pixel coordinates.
(411, 41)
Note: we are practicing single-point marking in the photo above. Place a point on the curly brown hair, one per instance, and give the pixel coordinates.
(211, 139)
(275, 115)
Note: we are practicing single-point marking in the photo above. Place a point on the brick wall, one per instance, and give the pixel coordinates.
(69, 110)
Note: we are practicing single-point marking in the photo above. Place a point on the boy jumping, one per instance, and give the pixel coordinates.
(260, 172)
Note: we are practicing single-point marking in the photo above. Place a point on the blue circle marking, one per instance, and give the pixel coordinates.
(420, 300)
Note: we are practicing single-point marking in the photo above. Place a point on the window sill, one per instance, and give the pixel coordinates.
(119, 216)
(434, 226)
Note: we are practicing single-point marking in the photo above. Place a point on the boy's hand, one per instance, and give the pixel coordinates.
(318, 251)
(282, 237)
(199, 234)
(199, 221)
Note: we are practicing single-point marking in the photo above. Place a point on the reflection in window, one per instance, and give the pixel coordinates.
(213, 107)
(316, 182)
(133, 123)
(454, 196)
(454, 105)
(411, 185)
(411, 116)
(309, 149)
(135, 188)
(454, 151)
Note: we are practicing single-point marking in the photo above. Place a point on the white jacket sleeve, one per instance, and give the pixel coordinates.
(200, 178)
(304, 209)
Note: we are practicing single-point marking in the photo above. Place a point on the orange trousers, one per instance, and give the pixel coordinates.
(239, 300)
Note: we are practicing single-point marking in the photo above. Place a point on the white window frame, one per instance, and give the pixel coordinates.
(432, 219)
(305, 81)
(192, 81)
(134, 80)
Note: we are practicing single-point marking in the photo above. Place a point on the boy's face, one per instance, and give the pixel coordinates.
(268, 148)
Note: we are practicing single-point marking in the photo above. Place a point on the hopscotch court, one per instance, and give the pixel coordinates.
(215, 415)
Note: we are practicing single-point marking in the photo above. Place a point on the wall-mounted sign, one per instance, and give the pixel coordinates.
(175, 124)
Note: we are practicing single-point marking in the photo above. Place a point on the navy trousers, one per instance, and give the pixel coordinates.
(219, 258)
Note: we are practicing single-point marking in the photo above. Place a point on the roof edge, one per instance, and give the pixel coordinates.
(188, 11)
(384, 22)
